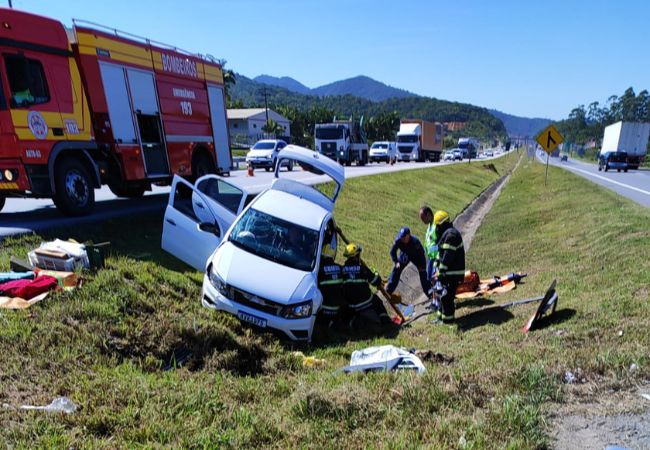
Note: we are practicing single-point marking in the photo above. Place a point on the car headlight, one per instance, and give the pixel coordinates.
(341, 153)
(269, 156)
(219, 284)
(297, 311)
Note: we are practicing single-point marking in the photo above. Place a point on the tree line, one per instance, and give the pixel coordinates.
(585, 124)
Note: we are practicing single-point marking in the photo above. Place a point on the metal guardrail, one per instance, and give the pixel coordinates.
(237, 161)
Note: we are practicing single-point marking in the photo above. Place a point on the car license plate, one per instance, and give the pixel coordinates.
(244, 317)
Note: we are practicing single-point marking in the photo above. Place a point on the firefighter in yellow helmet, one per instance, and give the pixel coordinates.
(449, 266)
(359, 298)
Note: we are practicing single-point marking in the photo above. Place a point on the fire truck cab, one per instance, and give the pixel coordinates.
(88, 106)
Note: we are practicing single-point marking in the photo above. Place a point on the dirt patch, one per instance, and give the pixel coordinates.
(471, 217)
(619, 419)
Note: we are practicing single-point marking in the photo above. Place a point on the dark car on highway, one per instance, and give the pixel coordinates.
(613, 160)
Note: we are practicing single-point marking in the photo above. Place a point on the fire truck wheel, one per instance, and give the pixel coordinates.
(202, 165)
(2, 203)
(75, 194)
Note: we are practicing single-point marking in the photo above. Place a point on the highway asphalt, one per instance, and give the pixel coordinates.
(635, 184)
(27, 215)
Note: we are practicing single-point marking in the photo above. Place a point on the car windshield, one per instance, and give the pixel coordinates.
(329, 132)
(264, 146)
(379, 145)
(618, 156)
(276, 240)
(409, 138)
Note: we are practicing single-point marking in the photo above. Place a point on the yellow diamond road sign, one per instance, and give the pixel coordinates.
(549, 139)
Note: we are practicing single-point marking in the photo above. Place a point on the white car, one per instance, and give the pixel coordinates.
(265, 153)
(448, 156)
(265, 267)
(383, 151)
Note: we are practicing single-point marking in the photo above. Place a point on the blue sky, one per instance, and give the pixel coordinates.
(529, 58)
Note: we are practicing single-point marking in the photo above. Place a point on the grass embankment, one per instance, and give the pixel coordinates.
(103, 345)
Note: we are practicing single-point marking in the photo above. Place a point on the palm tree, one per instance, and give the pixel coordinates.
(229, 78)
(274, 128)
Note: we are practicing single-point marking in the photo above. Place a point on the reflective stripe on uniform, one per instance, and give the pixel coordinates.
(374, 280)
(330, 282)
(450, 247)
(363, 304)
(441, 266)
(356, 280)
(452, 272)
(330, 308)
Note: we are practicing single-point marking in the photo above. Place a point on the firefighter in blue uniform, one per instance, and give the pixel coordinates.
(410, 251)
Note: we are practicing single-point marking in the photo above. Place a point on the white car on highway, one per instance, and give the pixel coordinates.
(265, 153)
(264, 269)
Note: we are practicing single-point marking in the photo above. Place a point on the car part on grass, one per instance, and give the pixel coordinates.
(59, 404)
(393, 299)
(548, 302)
(385, 358)
(309, 361)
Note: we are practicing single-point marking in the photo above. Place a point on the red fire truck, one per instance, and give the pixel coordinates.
(88, 106)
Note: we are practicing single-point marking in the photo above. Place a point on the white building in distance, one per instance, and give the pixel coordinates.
(245, 125)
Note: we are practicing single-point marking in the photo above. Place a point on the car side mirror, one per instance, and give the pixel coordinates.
(209, 227)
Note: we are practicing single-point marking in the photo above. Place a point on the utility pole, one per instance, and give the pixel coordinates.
(266, 107)
(10, 5)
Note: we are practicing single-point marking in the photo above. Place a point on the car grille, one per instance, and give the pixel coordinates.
(328, 147)
(255, 302)
(403, 149)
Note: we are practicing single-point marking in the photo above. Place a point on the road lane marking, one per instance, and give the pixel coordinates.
(611, 181)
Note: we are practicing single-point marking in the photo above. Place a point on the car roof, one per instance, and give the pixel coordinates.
(269, 140)
(291, 208)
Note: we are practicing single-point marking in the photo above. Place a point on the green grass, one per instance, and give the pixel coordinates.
(239, 152)
(104, 345)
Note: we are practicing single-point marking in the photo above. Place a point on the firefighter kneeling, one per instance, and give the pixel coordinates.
(359, 298)
(330, 283)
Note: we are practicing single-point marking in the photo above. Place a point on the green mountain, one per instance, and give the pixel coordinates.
(521, 126)
(284, 82)
(362, 86)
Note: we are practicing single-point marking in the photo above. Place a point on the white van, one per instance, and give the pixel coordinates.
(265, 268)
(383, 151)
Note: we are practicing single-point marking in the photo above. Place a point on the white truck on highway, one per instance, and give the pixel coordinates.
(343, 141)
(419, 140)
(629, 137)
(469, 147)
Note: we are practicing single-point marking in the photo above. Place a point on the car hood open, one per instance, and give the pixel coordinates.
(261, 277)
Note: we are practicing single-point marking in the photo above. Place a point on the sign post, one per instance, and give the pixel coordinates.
(549, 139)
